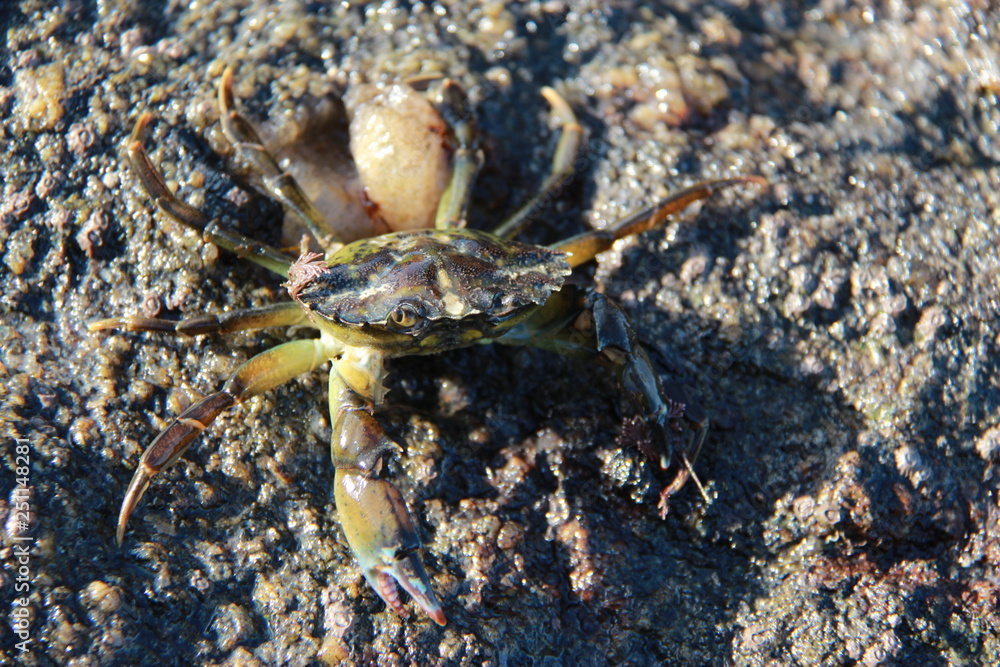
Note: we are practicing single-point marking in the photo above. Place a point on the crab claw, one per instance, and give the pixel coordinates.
(381, 534)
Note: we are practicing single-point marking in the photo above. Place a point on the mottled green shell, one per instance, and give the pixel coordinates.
(455, 281)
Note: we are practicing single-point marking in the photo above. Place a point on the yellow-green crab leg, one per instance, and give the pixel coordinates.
(259, 374)
(377, 524)
(583, 247)
(275, 315)
(282, 186)
(561, 171)
(211, 231)
(467, 160)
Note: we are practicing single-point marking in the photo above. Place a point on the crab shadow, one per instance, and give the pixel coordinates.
(594, 553)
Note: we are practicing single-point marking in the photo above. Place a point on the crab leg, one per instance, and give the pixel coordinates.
(280, 184)
(468, 157)
(578, 324)
(584, 247)
(663, 404)
(561, 172)
(275, 315)
(615, 338)
(257, 375)
(372, 511)
(189, 216)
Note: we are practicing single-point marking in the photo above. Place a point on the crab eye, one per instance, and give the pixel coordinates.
(405, 316)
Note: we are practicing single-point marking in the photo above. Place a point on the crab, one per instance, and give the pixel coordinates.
(412, 292)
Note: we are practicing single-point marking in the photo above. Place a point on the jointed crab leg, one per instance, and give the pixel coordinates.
(562, 167)
(583, 247)
(259, 374)
(281, 185)
(616, 339)
(467, 160)
(275, 315)
(579, 324)
(187, 215)
(372, 511)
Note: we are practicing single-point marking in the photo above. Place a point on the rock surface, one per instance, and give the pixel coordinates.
(840, 328)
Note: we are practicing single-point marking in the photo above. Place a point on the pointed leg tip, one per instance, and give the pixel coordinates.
(136, 488)
(226, 98)
(123, 517)
(227, 78)
(437, 615)
(135, 139)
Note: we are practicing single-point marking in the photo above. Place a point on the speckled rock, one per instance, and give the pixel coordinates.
(840, 329)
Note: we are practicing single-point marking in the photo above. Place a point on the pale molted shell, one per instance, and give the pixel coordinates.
(398, 144)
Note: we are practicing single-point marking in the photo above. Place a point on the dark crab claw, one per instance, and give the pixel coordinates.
(381, 534)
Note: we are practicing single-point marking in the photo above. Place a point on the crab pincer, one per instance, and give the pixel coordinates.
(380, 531)
(371, 510)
